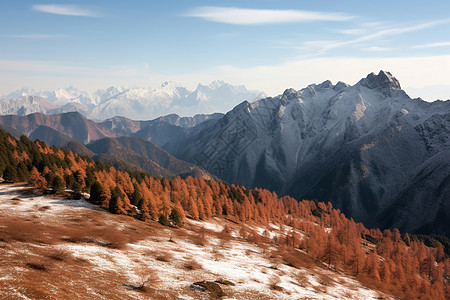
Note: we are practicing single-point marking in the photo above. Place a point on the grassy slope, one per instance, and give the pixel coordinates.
(56, 248)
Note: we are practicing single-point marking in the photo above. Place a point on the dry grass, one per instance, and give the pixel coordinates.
(297, 259)
(44, 208)
(198, 237)
(348, 295)
(320, 289)
(164, 257)
(192, 264)
(274, 282)
(217, 254)
(302, 279)
(224, 236)
(115, 239)
(42, 268)
(59, 254)
(100, 235)
(325, 279)
(17, 229)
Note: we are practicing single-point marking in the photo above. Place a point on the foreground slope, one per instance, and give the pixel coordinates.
(360, 147)
(89, 253)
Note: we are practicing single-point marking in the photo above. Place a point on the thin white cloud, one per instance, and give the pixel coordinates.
(433, 45)
(354, 31)
(401, 30)
(324, 46)
(36, 36)
(246, 16)
(65, 10)
(376, 49)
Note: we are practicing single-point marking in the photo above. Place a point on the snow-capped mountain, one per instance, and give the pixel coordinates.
(135, 103)
(371, 150)
(23, 105)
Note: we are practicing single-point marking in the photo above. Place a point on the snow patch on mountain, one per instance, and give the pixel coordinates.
(134, 103)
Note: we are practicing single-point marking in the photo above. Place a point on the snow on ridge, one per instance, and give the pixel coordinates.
(138, 103)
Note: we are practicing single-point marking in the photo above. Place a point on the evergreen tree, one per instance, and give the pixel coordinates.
(96, 193)
(116, 204)
(22, 172)
(57, 184)
(10, 174)
(136, 197)
(163, 220)
(175, 218)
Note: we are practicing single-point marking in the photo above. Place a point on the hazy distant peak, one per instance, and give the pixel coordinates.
(25, 91)
(212, 86)
(136, 103)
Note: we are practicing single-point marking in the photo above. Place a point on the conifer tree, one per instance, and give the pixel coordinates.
(10, 174)
(97, 195)
(175, 217)
(57, 184)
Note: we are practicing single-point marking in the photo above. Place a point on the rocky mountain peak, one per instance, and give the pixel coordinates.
(291, 94)
(325, 85)
(384, 80)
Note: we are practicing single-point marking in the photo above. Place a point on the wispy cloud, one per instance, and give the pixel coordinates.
(377, 49)
(324, 46)
(246, 16)
(433, 45)
(35, 36)
(66, 10)
(353, 31)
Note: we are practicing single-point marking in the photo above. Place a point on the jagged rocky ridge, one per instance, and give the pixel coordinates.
(371, 150)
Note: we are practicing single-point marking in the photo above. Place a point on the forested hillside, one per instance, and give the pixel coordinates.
(396, 263)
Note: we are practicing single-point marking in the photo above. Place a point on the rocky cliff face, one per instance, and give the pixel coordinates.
(374, 152)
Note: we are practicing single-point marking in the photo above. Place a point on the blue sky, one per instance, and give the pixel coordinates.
(266, 44)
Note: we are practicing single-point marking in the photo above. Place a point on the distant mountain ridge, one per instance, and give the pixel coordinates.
(134, 103)
(75, 126)
(108, 141)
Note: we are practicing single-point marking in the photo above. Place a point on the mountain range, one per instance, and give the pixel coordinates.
(134, 103)
(107, 141)
(369, 149)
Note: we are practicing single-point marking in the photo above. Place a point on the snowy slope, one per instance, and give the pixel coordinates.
(172, 258)
(359, 147)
